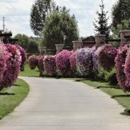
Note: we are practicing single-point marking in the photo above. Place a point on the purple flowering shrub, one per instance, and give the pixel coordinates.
(49, 65)
(119, 64)
(23, 55)
(95, 61)
(13, 62)
(32, 60)
(107, 56)
(40, 62)
(63, 63)
(84, 61)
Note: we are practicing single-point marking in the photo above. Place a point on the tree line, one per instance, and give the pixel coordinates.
(54, 25)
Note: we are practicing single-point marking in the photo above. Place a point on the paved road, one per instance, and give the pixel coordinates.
(58, 104)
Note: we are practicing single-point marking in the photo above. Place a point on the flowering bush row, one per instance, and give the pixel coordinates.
(23, 55)
(49, 65)
(120, 63)
(127, 72)
(95, 59)
(88, 61)
(40, 63)
(63, 63)
(107, 56)
(13, 66)
(10, 62)
(84, 61)
(66, 62)
(4, 56)
(33, 62)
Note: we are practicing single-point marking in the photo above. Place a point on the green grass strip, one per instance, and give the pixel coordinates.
(113, 91)
(28, 72)
(10, 98)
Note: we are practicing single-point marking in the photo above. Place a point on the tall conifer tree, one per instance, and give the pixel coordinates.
(100, 24)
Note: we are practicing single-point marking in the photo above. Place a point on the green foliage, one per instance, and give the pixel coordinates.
(101, 25)
(40, 9)
(23, 40)
(124, 25)
(33, 46)
(43, 43)
(28, 72)
(111, 77)
(120, 11)
(114, 43)
(30, 44)
(100, 74)
(60, 28)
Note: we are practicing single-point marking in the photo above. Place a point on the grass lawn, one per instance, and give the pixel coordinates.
(116, 93)
(28, 72)
(12, 97)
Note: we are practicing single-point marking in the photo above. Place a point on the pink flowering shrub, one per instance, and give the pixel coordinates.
(127, 71)
(4, 55)
(63, 63)
(49, 65)
(23, 55)
(13, 62)
(84, 61)
(107, 56)
(119, 64)
(40, 62)
(32, 60)
(73, 61)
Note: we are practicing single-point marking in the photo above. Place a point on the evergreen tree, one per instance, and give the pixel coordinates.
(101, 25)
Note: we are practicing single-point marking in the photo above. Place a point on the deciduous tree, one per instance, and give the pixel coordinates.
(60, 28)
(120, 11)
(40, 9)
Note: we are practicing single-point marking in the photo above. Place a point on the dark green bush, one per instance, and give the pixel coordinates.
(99, 74)
(111, 77)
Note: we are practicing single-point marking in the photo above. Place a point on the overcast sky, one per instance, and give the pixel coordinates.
(17, 14)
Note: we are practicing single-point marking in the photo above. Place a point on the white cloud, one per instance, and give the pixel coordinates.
(17, 14)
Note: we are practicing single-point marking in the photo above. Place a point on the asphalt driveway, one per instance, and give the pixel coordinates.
(59, 104)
